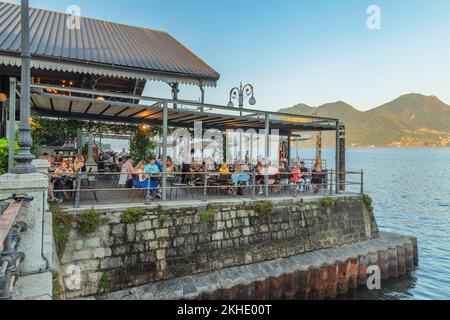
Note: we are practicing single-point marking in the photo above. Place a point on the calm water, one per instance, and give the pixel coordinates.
(411, 193)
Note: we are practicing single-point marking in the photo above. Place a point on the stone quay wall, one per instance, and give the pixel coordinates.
(175, 240)
(317, 275)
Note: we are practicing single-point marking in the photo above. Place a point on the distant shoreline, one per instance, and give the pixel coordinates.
(387, 147)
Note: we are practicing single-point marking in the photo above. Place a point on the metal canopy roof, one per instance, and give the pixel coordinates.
(109, 48)
(216, 117)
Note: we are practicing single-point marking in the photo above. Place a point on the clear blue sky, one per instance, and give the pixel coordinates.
(300, 51)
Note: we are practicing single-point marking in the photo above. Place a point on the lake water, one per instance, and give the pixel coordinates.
(411, 193)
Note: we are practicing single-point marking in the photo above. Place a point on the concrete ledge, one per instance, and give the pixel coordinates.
(199, 203)
(34, 287)
(315, 275)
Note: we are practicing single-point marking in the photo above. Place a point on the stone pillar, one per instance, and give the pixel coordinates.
(35, 185)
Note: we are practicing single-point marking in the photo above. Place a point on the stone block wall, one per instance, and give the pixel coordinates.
(171, 242)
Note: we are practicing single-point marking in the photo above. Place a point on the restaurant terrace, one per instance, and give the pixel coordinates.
(96, 72)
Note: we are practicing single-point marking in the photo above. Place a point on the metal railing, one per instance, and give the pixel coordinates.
(10, 236)
(104, 188)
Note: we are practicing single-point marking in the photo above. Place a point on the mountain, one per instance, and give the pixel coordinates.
(412, 120)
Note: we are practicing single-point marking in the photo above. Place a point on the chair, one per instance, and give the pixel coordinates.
(177, 184)
(223, 182)
(283, 182)
(88, 185)
(274, 185)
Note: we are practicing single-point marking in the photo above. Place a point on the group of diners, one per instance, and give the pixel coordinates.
(61, 174)
(234, 177)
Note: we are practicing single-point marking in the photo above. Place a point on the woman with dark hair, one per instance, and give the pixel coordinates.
(317, 177)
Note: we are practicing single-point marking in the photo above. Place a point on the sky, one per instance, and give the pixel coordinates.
(294, 51)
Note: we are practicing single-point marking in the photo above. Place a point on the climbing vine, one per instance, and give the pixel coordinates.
(45, 131)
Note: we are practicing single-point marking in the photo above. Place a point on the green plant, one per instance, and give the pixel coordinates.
(4, 151)
(88, 222)
(142, 146)
(104, 284)
(132, 215)
(207, 215)
(263, 208)
(163, 219)
(368, 202)
(99, 267)
(58, 290)
(328, 202)
(61, 229)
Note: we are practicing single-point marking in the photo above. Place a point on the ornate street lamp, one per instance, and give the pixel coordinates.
(240, 94)
(24, 157)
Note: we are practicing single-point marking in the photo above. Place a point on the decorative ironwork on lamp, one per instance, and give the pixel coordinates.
(240, 94)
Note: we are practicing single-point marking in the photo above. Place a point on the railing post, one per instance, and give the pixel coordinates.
(267, 153)
(338, 161)
(254, 184)
(295, 186)
(165, 132)
(205, 185)
(362, 181)
(77, 194)
(331, 182)
(147, 196)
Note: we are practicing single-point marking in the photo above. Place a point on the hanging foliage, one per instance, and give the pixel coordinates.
(4, 151)
(50, 132)
(142, 146)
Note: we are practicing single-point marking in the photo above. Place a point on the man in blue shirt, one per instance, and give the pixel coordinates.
(153, 168)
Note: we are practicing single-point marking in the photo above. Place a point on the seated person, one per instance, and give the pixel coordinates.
(159, 164)
(224, 168)
(59, 182)
(170, 167)
(297, 178)
(261, 171)
(151, 169)
(273, 171)
(303, 169)
(210, 166)
(239, 176)
(139, 178)
(317, 177)
(79, 163)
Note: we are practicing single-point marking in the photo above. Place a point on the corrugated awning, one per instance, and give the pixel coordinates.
(100, 47)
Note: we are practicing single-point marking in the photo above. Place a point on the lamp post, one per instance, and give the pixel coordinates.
(24, 156)
(240, 94)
